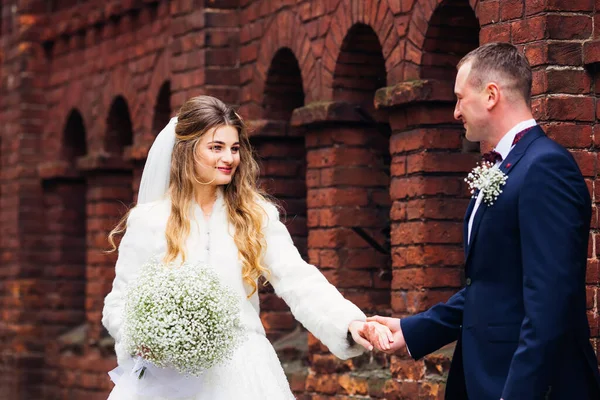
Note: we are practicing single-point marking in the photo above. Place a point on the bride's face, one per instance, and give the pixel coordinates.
(218, 155)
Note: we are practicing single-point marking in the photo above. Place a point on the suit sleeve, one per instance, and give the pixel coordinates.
(554, 218)
(317, 304)
(426, 332)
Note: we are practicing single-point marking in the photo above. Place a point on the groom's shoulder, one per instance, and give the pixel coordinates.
(545, 147)
(545, 152)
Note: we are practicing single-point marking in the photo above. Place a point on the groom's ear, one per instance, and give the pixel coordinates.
(492, 93)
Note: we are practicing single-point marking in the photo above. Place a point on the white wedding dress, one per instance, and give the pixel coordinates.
(254, 373)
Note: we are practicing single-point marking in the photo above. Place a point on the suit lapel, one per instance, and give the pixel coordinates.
(507, 166)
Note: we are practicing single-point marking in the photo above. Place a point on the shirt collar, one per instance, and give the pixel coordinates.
(505, 145)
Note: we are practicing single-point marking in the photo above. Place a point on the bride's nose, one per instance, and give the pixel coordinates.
(227, 157)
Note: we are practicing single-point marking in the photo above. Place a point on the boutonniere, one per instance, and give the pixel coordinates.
(488, 180)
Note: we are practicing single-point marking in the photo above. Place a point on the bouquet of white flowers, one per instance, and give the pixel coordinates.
(182, 318)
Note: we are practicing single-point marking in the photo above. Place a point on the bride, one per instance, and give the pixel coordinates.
(199, 202)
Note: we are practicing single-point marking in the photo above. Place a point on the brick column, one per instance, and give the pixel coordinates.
(430, 159)
(23, 73)
(109, 196)
(587, 138)
(348, 218)
(281, 156)
(205, 57)
(64, 277)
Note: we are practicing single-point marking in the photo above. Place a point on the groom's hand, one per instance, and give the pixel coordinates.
(393, 325)
(368, 334)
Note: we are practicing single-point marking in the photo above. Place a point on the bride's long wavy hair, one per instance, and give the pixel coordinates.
(199, 116)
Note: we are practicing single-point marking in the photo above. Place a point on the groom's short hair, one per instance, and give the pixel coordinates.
(501, 62)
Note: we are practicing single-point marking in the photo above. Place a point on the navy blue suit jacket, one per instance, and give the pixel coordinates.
(521, 321)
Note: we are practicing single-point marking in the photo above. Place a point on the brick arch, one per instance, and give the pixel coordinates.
(119, 84)
(360, 68)
(73, 97)
(283, 90)
(343, 20)
(119, 127)
(420, 21)
(161, 74)
(74, 141)
(285, 30)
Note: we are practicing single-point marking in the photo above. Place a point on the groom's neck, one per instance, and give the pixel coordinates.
(505, 120)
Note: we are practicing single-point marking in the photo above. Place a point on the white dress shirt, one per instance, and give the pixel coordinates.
(503, 147)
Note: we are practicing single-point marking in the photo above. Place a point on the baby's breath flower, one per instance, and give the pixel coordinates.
(488, 180)
(181, 317)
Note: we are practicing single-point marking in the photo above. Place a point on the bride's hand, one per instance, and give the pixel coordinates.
(368, 334)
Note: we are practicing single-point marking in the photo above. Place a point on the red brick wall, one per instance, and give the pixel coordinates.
(350, 104)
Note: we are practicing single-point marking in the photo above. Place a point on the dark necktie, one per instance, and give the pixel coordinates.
(492, 157)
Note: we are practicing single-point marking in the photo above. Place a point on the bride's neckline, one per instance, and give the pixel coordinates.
(213, 205)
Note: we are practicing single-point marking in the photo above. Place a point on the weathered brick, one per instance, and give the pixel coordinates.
(512, 9)
(420, 255)
(567, 5)
(570, 81)
(558, 53)
(586, 161)
(489, 12)
(529, 29)
(569, 108)
(359, 175)
(418, 278)
(407, 369)
(495, 33)
(434, 232)
(570, 135)
(426, 139)
(408, 187)
(569, 27)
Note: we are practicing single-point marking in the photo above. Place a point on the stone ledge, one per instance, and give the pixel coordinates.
(416, 91)
(437, 364)
(269, 128)
(58, 170)
(137, 152)
(326, 111)
(104, 162)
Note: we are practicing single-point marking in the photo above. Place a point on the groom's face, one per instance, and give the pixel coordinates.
(470, 105)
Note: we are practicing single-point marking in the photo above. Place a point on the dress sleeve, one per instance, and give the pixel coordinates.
(134, 250)
(317, 304)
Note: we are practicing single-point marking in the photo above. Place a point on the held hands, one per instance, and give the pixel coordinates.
(393, 324)
(369, 334)
(382, 333)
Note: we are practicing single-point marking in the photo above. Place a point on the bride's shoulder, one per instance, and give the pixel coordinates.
(150, 214)
(270, 209)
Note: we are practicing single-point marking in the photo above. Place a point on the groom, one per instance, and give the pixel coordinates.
(521, 320)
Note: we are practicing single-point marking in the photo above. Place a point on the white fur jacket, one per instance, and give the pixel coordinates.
(314, 302)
